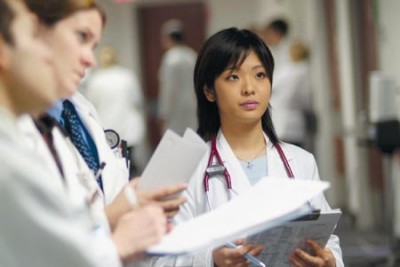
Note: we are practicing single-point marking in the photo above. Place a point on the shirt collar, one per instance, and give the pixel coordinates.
(56, 110)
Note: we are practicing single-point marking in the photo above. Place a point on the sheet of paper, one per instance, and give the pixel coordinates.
(281, 241)
(174, 160)
(260, 208)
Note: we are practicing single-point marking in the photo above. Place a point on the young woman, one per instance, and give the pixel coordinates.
(232, 79)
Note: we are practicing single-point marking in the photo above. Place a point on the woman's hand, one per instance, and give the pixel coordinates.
(224, 256)
(167, 197)
(321, 257)
(137, 230)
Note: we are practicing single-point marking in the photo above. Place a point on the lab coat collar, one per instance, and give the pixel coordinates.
(275, 165)
(8, 125)
(86, 111)
(240, 182)
(56, 110)
(84, 106)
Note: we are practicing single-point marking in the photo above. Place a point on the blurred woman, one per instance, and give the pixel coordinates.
(72, 29)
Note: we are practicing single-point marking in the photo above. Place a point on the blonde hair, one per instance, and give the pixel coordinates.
(298, 51)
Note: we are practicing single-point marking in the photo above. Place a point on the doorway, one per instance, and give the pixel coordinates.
(193, 17)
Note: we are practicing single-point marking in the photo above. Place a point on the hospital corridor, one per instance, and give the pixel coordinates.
(353, 79)
(156, 117)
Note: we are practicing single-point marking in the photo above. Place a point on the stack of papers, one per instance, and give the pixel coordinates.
(269, 203)
(174, 160)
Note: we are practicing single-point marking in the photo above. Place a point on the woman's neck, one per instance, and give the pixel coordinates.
(245, 140)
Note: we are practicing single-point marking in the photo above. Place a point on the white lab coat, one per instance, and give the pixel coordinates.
(302, 164)
(78, 179)
(290, 99)
(115, 174)
(177, 101)
(115, 93)
(39, 226)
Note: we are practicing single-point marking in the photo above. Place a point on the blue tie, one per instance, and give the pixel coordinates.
(74, 128)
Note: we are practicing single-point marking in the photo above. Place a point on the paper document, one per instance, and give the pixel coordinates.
(174, 160)
(269, 203)
(280, 242)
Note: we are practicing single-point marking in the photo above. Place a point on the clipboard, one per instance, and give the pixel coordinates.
(314, 215)
(280, 242)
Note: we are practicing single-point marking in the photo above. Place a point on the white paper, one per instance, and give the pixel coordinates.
(271, 202)
(281, 241)
(174, 160)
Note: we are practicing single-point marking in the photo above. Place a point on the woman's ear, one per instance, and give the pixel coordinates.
(209, 94)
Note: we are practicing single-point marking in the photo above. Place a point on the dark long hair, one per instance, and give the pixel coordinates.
(50, 12)
(7, 15)
(228, 47)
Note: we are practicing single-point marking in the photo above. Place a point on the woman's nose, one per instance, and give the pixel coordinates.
(89, 60)
(248, 88)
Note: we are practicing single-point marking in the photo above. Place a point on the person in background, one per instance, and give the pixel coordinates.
(233, 81)
(291, 102)
(276, 36)
(177, 104)
(117, 96)
(39, 226)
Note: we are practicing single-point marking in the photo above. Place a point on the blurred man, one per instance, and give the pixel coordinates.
(275, 36)
(177, 103)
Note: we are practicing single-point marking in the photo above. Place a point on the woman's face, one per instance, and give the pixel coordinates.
(27, 64)
(242, 93)
(73, 41)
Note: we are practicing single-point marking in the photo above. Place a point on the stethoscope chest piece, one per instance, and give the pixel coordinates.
(112, 138)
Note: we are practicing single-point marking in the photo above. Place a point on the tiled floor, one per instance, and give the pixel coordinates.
(364, 249)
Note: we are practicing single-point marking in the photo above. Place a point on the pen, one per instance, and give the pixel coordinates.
(93, 192)
(100, 170)
(251, 258)
(130, 196)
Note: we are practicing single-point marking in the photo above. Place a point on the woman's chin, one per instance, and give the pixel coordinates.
(68, 90)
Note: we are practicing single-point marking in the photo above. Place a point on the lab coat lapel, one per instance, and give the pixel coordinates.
(276, 167)
(77, 168)
(115, 174)
(240, 182)
(90, 121)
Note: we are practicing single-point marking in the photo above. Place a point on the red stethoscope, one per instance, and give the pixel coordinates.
(218, 168)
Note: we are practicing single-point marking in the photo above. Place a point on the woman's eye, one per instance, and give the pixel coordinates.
(83, 36)
(232, 77)
(261, 75)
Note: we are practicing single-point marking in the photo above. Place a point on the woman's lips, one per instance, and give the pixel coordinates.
(249, 104)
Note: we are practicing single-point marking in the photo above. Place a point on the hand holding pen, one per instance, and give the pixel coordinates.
(238, 254)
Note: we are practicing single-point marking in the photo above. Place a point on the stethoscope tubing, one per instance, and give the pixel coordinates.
(214, 153)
